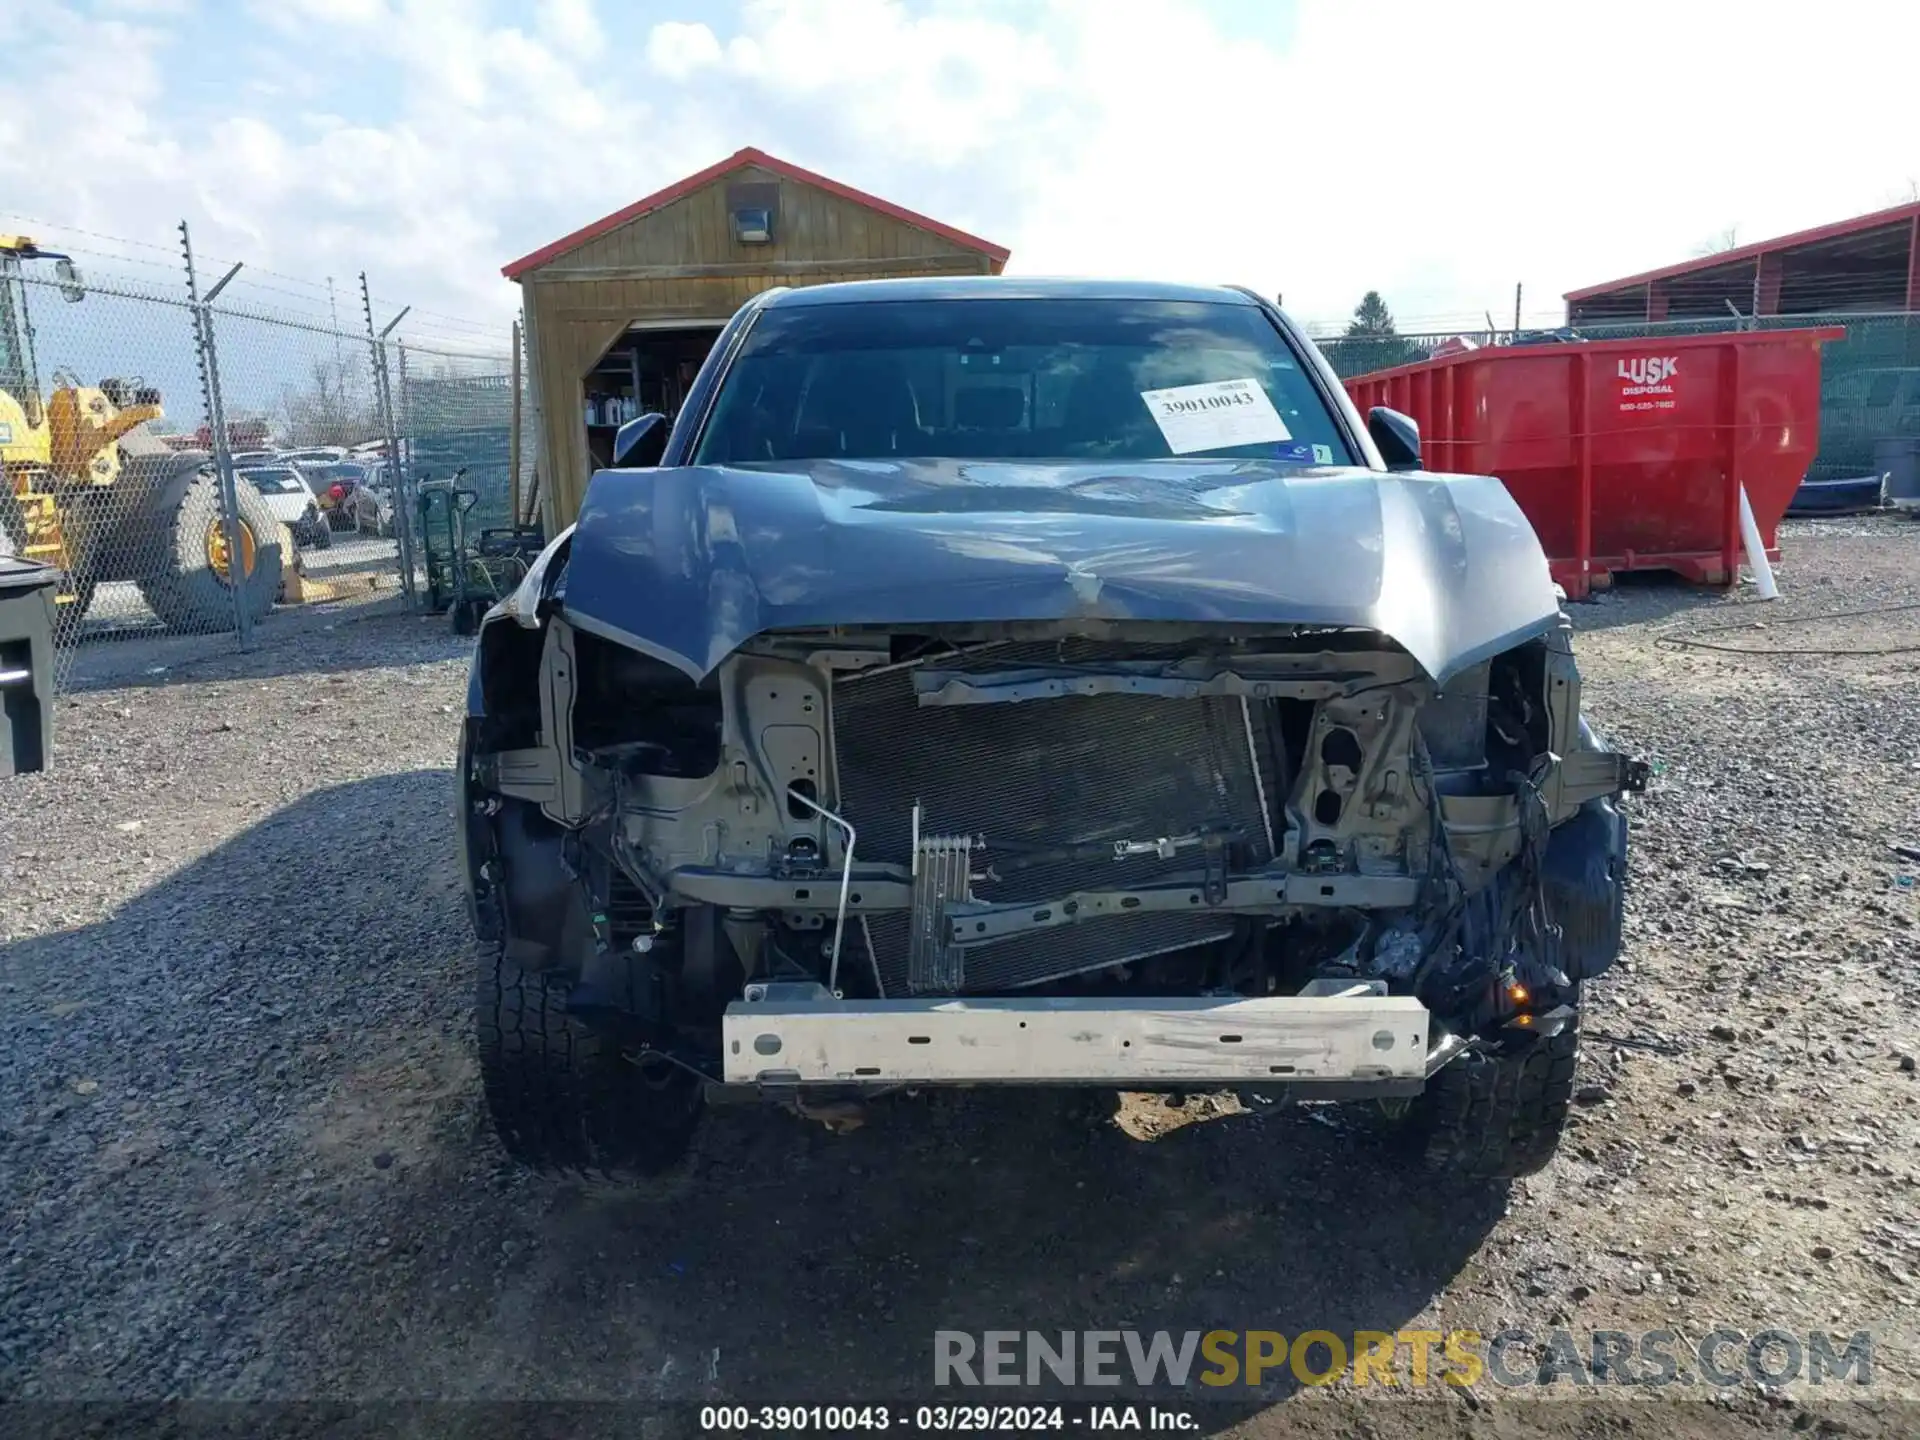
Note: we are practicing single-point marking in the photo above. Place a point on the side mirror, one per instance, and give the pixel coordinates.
(1396, 436)
(72, 287)
(641, 442)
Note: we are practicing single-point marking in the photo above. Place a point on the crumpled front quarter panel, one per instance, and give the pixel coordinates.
(689, 563)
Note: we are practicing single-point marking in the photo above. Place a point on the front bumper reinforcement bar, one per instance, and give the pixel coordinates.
(784, 1035)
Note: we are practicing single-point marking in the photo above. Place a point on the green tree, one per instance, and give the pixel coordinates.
(1371, 343)
(1371, 317)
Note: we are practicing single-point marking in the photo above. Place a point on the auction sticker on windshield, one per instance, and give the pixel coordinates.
(1215, 416)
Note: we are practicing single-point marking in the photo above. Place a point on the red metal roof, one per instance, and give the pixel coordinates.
(1839, 230)
(740, 160)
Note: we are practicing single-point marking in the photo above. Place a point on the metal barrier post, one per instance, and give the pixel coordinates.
(400, 403)
(513, 433)
(402, 487)
(239, 572)
(1735, 492)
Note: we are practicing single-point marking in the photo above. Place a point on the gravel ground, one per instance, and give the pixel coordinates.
(125, 641)
(242, 1153)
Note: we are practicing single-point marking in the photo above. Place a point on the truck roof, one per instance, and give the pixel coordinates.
(1000, 287)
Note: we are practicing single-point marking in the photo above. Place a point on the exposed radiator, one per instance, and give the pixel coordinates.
(1046, 773)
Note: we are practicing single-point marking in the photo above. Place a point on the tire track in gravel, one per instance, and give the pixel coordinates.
(279, 1182)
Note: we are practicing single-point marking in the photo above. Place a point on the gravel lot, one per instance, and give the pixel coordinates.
(125, 641)
(242, 1153)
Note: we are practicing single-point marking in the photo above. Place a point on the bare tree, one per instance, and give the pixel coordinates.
(1727, 239)
(330, 409)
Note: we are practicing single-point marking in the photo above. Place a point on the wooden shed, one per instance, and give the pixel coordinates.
(620, 313)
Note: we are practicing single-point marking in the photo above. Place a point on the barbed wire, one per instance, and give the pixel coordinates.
(422, 327)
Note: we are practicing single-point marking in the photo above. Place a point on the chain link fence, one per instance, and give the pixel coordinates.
(1869, 382)
(474, 512)
(307, 442)
(202, 467)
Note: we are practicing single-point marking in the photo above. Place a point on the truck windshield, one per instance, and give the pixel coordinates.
(1023, 379)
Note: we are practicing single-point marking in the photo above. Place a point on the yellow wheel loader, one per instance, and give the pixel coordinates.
(89, 488)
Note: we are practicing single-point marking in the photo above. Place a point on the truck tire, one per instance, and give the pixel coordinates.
(1487, 1117)
(187, 580)
(564, 1100)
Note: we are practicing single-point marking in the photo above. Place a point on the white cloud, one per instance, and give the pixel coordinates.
(339, 12)
(573, 24)
(1437, 153)
(675, 50)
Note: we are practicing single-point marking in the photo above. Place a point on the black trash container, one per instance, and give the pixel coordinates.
(1898, 458)
(26, 664)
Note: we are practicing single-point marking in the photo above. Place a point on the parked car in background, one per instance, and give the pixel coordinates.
(247, 459)
(315, 455)
(332, 482)
(369, 505)
(1860, 407)
(291, 501)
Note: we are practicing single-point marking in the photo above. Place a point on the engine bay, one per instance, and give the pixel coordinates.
(1042, 810)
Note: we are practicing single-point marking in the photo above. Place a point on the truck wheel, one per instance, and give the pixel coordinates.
(563, 1098)
(191, 584)
(1499, 1116)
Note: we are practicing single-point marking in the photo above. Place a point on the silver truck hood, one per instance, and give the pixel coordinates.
(689, 563)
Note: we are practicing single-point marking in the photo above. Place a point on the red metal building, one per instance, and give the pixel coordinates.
(1868, 264)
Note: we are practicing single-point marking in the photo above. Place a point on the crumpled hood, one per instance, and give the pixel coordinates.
(689, 563)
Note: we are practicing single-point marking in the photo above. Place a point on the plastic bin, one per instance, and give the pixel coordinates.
(1625, 454)
(26, 664)
(1898, 458)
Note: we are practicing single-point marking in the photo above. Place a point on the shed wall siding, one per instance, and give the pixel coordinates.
(580, 303)
(809, 224)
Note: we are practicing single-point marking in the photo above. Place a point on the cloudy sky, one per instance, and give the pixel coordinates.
(1317, 148)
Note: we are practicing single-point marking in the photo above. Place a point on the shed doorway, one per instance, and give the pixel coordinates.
(649, 368)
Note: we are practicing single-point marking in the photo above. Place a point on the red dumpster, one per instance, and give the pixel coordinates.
(1625, 454)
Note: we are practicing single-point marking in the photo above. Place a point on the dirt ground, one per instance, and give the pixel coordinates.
(243, 1155)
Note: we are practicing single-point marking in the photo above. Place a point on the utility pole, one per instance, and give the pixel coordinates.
(1516, 308)
(397, 470)
(513, 432)
(333, 309)
(239, 556)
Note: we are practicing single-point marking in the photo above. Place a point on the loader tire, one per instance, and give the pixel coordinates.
(187, 578)
(564, 1100)
(71, 604)
(82, 526)
(1487, 1117)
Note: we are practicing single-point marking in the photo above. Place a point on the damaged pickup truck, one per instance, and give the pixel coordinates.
(1001, 682)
